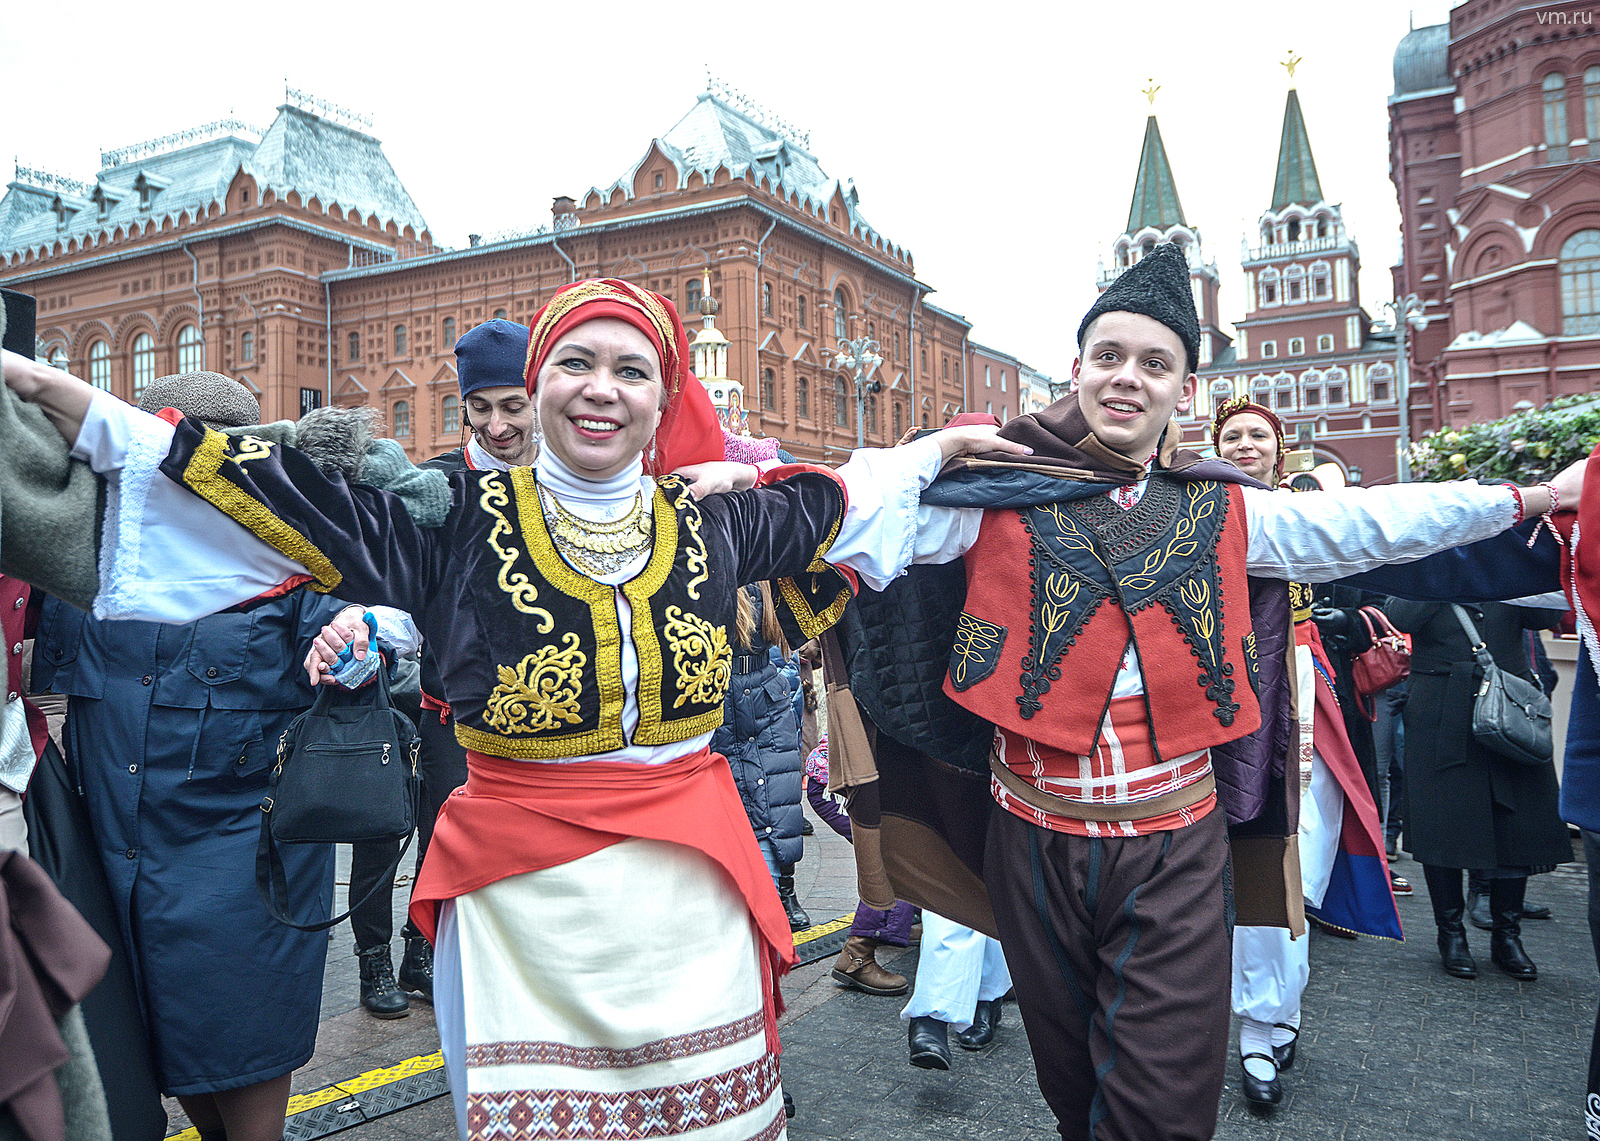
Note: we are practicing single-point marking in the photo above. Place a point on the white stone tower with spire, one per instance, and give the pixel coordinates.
(710, 354)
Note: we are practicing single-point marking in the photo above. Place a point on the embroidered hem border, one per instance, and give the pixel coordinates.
(588, 1115)
(605, 1058)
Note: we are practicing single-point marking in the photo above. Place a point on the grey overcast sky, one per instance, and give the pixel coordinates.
(998, 141)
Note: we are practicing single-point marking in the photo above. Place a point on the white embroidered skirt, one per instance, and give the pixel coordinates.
(616, 996)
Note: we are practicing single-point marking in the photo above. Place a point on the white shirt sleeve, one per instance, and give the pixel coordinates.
(165, 554)
(885, 528)
(1320, 536)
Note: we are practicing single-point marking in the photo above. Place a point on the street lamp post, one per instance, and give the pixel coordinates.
(860, 358)
(1408, 314)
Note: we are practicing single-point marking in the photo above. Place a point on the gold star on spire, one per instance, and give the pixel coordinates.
(1290, 64)
(1150, 91)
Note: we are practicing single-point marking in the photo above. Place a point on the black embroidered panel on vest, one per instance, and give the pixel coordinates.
(1070, 581)
(976, 653)
(1162, 550)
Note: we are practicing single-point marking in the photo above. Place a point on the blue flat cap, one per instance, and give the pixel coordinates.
(492, 355)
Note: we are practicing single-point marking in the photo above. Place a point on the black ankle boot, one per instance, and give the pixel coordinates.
(929, 1042)
(798, 919)
(1444, 893)
(1505, 943)
(1478, 902)
(379, 994)
(416, 967)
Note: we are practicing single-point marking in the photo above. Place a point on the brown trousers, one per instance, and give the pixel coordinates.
(1121, 958)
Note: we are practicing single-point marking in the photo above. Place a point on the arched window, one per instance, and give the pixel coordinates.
(1580, 283)
(897, 344)
(766, 298)
(190, 353)
(1283, 392)
(899, 421)
(1147, 247)
(1380, 383)
(1261, 390)
(449, 338)
(144, 364)
(401, 420)
(1322, 226)
(355, 348)
(1311, 389)
(1321, 279)
(58, 357)
(499, 314)
(841, 403)
(1555, 117)
(1221, 390)
(872, 414)
(1294, 229)
(841, 330)
(399, 340)
(1591, 105)
(1269, 286)
(247, 346)
(100, 365)
(802, 398)
(691, 296)
(450, 414)
(1336, 385)
(769, 391)
(1294, 284)
(800, 310)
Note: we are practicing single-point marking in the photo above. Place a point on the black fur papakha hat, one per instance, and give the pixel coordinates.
(1157, 285)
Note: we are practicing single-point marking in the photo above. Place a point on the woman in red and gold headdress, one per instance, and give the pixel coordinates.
(1251, 436)
(604, 923)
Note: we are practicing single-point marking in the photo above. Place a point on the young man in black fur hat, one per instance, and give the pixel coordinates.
(1120, 662)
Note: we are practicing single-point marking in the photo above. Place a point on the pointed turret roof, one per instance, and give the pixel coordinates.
(1155, 193)
(1297, 169)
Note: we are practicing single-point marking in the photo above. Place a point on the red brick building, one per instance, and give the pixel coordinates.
(1304, 347)
(255, 254)
(1494, 136)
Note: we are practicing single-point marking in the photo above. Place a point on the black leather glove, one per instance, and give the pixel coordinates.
(1331, 621)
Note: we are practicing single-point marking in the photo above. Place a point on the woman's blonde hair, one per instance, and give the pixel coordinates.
(745, 620)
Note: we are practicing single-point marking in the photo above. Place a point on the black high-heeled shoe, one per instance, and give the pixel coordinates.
(1256, 1091)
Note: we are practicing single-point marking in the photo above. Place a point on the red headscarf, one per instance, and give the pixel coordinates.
(689, 432)
(1234, 405)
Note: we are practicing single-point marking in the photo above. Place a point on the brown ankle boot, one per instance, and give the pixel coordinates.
(856, 967)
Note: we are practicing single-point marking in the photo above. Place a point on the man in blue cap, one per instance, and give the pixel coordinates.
(489, 363)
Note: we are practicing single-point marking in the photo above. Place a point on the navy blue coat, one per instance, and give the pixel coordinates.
(172, 732)
(759, 737)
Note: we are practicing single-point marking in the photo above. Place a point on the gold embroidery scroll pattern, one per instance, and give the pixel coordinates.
(250, 448)
(541, 693)
(1069, 535)
(1055, 608)
(516, 584)
(694, 557)
(975, 641)
(1182, 545)
(700, 655)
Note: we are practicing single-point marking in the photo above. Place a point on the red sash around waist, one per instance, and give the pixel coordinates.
(513, 817)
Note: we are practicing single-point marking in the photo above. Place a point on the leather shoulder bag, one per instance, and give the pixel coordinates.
(1510, 716)
(1388, 662)
(345, 775)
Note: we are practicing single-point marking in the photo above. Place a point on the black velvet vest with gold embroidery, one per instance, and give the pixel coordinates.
(565, 697)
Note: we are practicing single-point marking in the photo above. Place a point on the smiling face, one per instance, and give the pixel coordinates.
(600, 396)
(1130, 380)
(1250, 443)
(502, 421)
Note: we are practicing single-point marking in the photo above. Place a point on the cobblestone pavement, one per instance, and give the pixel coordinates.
(1392, 1047)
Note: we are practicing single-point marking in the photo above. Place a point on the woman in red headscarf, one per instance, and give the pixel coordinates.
(608, 939)
(1342, 871)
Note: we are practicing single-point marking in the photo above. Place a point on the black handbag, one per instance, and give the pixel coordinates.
(345, 775)
(1510, 716)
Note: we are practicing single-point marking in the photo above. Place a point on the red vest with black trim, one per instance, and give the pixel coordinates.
(1055, 592)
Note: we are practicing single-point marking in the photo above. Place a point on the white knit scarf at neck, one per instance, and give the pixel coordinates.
(602, 500)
